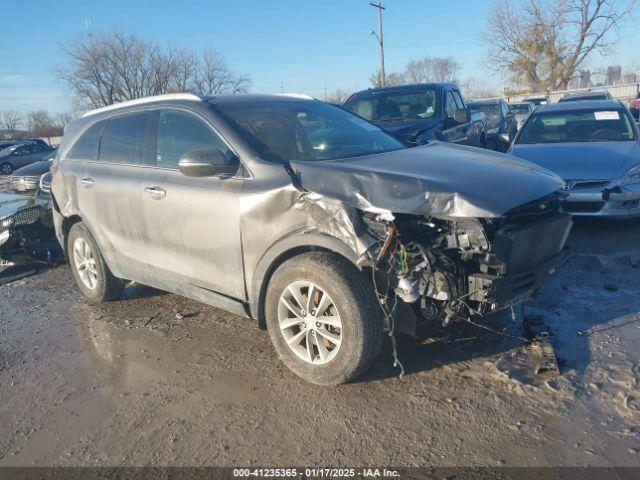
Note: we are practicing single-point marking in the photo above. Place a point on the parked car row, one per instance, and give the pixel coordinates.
(587, 138)
(17, 154)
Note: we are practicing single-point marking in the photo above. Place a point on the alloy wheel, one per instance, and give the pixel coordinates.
(310, 322)
(85, 263)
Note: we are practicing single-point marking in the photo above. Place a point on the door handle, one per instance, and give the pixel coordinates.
(87, 182)
(157, 193)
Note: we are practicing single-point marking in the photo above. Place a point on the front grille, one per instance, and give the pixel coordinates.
(26, 216)
(23, 179)
(583, 207)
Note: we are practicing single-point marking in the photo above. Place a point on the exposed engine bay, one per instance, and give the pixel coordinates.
(454, 269)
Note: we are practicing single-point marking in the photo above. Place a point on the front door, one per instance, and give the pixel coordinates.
(193, 223)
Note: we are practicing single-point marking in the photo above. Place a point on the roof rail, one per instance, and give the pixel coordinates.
(303, 96)
(140, 101)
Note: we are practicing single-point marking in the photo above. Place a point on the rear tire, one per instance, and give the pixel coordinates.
(321, 352)
(6, 168)
(95, 280)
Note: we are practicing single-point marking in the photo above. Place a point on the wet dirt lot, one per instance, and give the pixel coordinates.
(156, 379)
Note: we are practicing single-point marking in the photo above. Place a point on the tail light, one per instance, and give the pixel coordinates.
(636, 102)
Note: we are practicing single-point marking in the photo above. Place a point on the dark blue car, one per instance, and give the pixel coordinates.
(420, 113)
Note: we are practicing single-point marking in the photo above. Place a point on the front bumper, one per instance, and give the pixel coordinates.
(505, 291)
(525, 256)
(619, 203)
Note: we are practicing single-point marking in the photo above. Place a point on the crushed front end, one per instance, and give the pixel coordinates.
(26, 231)
(453, 269)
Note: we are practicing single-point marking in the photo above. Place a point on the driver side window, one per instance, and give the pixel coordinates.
(24, 150)
(450, 105)
(180, 132)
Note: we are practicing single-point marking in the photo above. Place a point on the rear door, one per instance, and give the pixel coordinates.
(193, 223)
(109, 191)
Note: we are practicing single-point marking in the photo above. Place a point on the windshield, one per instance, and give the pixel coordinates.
(491, 110)
(578, 126)
(285, 131)
(394, 106)
(520, 108)
(8, 150)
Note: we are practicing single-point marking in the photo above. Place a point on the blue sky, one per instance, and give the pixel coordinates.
(306, 45)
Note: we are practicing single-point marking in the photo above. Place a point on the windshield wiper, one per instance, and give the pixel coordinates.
(395, 119)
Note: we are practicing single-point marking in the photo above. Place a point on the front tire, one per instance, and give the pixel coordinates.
(6, 168)
(90, 271)
(323, 318)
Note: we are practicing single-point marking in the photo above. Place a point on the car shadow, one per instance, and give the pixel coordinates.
(137, 291)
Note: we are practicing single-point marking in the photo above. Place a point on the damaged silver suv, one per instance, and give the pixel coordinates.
(307, 218)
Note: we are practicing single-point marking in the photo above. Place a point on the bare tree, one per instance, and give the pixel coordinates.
(212, 76)
(542, 43)
(428, 69)
(10, 121)
(39, 122)
(391, 79)
(475, 89)
(337, 96)
(112, 67)
(61, 120)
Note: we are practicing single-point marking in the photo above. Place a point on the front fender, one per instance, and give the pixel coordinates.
(286, 248)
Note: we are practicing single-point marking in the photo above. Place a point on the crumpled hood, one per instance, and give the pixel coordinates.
(582, 161)
(438, 179)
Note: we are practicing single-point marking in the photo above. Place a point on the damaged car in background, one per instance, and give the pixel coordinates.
(27, 238)
(311, 220)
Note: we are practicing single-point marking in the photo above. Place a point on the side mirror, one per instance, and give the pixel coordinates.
(207, 163)
(461, 115)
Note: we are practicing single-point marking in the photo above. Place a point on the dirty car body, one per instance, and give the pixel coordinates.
(445, 231)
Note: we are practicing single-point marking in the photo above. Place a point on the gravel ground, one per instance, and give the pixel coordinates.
(156, 379)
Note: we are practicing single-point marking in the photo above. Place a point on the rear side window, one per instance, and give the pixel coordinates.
(128, 139)
(86, 147)
(181, 132)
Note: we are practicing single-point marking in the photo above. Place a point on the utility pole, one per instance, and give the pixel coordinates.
(380, 41)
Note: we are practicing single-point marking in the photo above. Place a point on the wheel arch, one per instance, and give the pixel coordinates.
(283, 251)
(67, 223)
